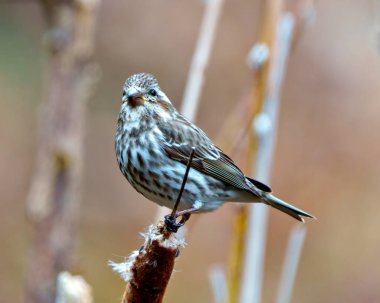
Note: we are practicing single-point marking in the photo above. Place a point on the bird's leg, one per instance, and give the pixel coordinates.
(171, 221)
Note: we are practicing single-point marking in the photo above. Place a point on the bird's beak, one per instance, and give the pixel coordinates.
(135, 98)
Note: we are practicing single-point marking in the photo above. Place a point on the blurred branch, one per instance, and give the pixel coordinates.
(292, 257)
(246, 286)
(232, 137)
(53, 200)
(236, 254)
(265, 126)
(201, 57)
(198, 66)
(148, 270)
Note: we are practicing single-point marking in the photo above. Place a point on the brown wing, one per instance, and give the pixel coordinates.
(180, 136)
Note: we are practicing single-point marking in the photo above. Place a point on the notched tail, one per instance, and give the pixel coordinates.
(286, 208)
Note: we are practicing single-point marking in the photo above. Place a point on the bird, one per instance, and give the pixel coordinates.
(153, 143)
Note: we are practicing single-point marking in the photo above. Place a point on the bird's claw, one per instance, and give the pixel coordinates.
(172, 224)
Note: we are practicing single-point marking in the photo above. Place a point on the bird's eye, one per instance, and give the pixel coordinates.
(153, 92)
(124, 93)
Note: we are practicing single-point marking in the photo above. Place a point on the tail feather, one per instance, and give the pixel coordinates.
(286, 208)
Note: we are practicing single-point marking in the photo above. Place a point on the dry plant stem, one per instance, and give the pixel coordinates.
(198, 66)
(236, 254)
(152, 272)
(147, 271)
(52, 204)
(257, 222)
(201, 57)
(271, 13)
(232, 136)
(297, 235)
(292, 257)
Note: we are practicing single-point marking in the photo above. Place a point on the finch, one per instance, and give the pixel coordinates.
(153, 143)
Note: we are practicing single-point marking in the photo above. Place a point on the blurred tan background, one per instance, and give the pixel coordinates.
(327, 160)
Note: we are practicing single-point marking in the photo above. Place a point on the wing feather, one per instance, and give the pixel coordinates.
(181, 135)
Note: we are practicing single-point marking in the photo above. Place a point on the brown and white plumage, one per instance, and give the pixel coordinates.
(153, 144)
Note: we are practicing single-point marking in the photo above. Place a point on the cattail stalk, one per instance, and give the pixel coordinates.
(148, 270)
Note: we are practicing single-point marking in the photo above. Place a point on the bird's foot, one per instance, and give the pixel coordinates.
(171, 221)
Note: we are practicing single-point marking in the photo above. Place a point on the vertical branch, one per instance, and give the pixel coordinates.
(245, 286)
(292, 257)
(201, 57)
(198, 66)
(236, 254)
(265, 125)
(53, 200)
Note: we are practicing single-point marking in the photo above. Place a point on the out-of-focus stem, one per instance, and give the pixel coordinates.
(236, 254)
(265, 125)
(53, 201)
(198, 66)
(238, 276)
(201, 57)
(292, 257)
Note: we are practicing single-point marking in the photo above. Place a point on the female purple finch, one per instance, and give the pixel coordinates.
(153, 144)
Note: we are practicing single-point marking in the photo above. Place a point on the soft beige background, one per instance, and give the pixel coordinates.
(327, 160)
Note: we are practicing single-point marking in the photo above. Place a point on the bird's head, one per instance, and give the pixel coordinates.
(143, 98)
